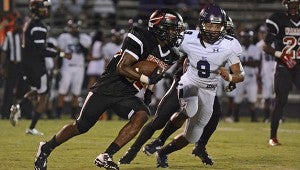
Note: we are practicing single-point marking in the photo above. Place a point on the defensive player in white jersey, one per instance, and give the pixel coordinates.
(72, 71)
(97, 63)
(250, 59)
(208, 49)
(267, 73)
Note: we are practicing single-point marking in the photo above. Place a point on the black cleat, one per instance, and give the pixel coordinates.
(152, 147)
(40, 162)
(105, 160)
(128, 157)
(162, 160)
(203, 155)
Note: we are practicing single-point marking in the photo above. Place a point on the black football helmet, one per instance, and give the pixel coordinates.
(40, 8)
(167, 25)
(246, 36)
(292, 6)
(229, 26)
(212, 13)
(74, 26)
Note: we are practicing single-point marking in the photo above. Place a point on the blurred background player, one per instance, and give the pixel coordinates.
(97, 62)
(34, 51)
(250, 59)
(72, 71)
(283, 30)
(267, 72)
(11, 71)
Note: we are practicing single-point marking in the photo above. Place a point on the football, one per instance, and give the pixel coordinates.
(146, 67)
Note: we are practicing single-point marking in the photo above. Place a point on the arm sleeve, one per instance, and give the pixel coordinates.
(236, 53)
(39, 35)
(133, 45)
(272, 29)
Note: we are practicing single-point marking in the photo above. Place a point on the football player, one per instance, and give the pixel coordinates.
(283, 29)
(72, 71)
(116, 87)
(169, 105)
(34, 51)
(250, 59)
(207, 49)
(267, 73)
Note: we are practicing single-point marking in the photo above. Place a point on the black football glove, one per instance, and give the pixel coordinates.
(230, 87)
(155, 77)
(148, 96)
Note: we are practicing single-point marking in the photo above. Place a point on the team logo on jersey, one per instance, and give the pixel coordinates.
(216, 50)
(292, 31)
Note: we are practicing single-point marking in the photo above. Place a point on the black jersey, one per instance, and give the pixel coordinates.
(34, 48)
(141, 44)
(287, 35)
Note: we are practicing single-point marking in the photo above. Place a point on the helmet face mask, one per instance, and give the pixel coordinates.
(167, 25)
(40, 8)
(212, 23)
(292, 6)
(74, 26)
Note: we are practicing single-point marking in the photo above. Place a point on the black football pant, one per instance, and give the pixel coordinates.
(14, 87)
(284, 79)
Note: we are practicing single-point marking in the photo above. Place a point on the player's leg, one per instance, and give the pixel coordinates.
(41, 87)
(283, 82)
(63, 89)
(167, 106)
(76, 84)
(238, 98)
(194, 125)
(200, 147)
(134, 109)
(251, 90)
(89, 115)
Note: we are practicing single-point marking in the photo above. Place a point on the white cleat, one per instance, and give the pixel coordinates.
(15, 114)
(34, 132)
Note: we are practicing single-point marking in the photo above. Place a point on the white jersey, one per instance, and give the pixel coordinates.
(252, 53)
(204, 62)
(268, 62)
(72, 44)
(197, 86)
(96, 67)
(110, 49)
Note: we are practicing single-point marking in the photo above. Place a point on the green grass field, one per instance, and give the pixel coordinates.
(233, 146)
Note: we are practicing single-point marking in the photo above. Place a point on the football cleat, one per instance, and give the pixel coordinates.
(128, 157)
(152, 147)
(203, 155)
(40, 162)
(33, 132)
(162, 160)
(15, 114)
(105, 160)
(274, 142)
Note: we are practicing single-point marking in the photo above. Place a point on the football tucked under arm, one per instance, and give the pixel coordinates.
(151, 72)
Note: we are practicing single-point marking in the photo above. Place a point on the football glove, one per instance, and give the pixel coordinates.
(155, 77)
(230, 87)
(289, 61)
(148, 96)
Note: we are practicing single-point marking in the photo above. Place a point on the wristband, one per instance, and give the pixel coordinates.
(144, 79)
(278, 54)
(150, 87)
(229, 77)
(62, 54)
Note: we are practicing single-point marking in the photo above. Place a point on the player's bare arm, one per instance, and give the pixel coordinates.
(237, 73)
(125, 68)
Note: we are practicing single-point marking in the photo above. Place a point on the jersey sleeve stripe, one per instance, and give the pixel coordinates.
(39, 41)
(268, 21)
(38, 29)
(131, 53)
(134, 38)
